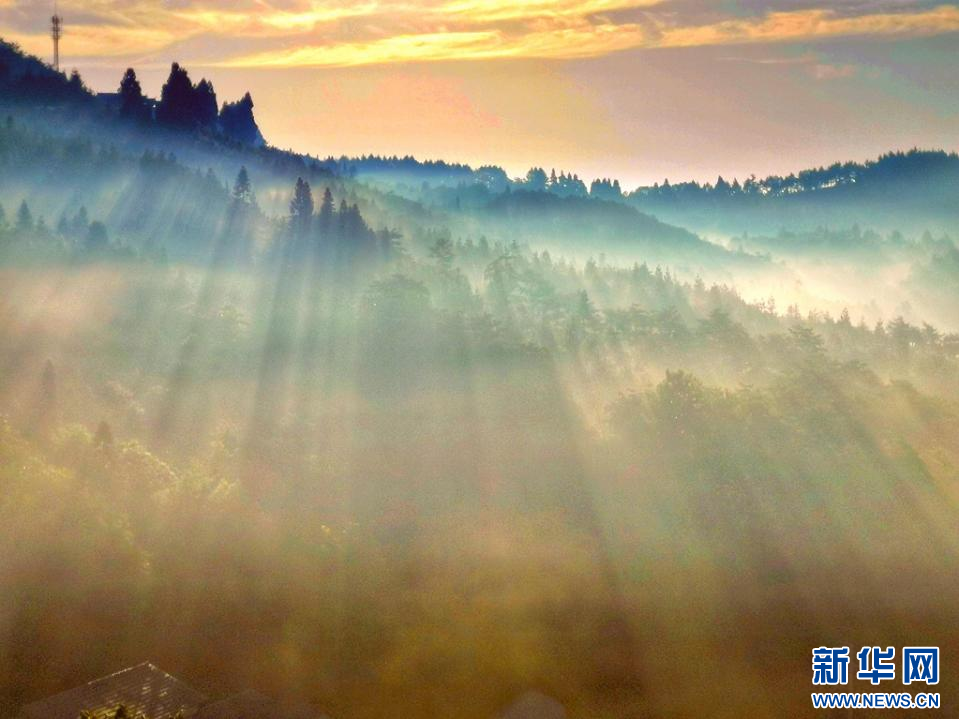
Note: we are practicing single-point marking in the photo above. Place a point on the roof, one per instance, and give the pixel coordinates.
(253, 705)
(142, 689)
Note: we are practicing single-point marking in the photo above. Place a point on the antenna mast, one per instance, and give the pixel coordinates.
(56, 32)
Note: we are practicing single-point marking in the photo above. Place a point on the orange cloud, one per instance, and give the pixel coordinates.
(811, 25)
(582, 40)
(564, 35)
(365, 32)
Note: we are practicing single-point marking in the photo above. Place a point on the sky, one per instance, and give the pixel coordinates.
(638, 91)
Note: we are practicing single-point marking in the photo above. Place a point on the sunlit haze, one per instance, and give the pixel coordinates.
(478, 359)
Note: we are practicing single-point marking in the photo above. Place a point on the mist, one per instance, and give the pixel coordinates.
(395, 438)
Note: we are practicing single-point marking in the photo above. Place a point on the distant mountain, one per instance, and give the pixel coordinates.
(910, 191)
(913, 190)
(589, 226)
(579, 216)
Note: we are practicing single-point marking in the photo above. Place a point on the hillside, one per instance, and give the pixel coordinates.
(910, 191)
(77, 151)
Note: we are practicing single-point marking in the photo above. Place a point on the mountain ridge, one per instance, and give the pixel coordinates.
(891, 167)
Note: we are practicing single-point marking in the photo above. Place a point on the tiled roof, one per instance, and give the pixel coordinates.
(253, 705)
(142, 689)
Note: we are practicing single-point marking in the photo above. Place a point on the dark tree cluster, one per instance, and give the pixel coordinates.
(606, 189)
(25, 78)
(405, 169)
(186, 106)
(889, 170)
(133, 104)
(563, 184)
(237, 122)
(29, 239)
(332, 234)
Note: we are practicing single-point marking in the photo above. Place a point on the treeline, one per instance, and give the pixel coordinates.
(912, 190)
(151, 200)
(186, 106)
(892, 170)
(30, 240)
(918, 177)
(918, 167)
(336, 235)
(922, 183)
(330, 233)
(25, 78)
(183, 105)
(184, 121)
(532, 288)
(405, 169)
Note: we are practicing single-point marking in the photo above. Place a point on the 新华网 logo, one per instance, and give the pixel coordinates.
(830, 665)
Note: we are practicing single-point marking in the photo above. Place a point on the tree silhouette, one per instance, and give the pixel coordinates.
(536, 179)
(178, 107)
(205, 104)
(236, 244)
(242, 189)
(325, 218)
(75, 83)
(132, 103)
(301, 208)
(238, 123)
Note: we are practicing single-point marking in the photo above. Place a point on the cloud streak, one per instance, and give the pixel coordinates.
(296, 33)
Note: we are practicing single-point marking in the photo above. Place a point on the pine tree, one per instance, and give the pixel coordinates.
(326, 213)
(132, 102)
(301, 208)
(205, 103)
(177, 106)
(242, 189)
(75, 83)
(236, 244)
(238, 123)
(536, 179)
